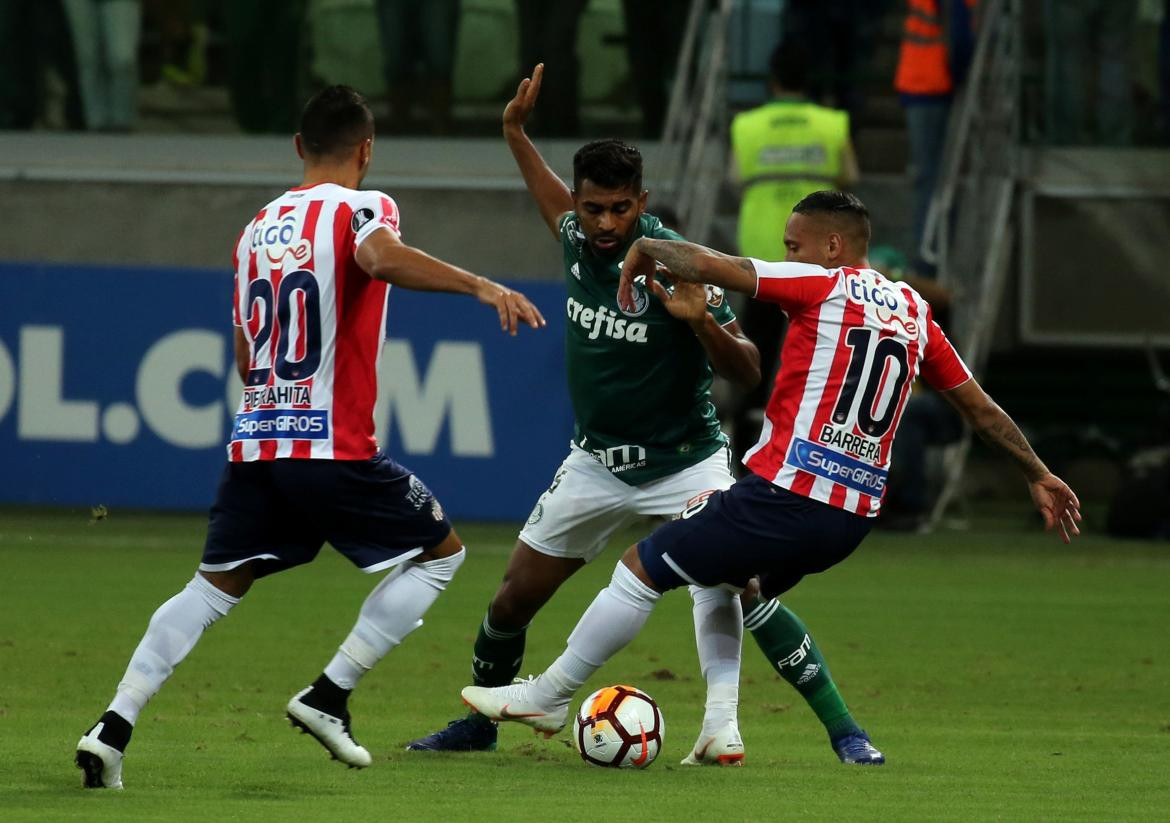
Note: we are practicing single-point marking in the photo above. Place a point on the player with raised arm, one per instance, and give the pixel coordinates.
(312, 273)
(855, 343)
(647, 441)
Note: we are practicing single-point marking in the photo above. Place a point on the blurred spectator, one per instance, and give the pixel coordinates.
(105, 41)
(653, 35)
(937, 45)
(781, 151)
(548, 34)
(418, 49)
(1089, 39)
(183, 35)
(838, 36)
(35, 36)
(265, 44)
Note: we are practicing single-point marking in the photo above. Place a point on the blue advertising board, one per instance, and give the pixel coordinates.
(117, 387)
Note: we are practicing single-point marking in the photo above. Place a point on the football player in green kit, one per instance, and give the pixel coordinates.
(646, 442)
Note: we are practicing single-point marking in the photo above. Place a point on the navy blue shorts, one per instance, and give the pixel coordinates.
(753, 528)
(280, 512)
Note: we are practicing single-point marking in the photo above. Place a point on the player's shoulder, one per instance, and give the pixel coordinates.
(572, 236)
(651, 226)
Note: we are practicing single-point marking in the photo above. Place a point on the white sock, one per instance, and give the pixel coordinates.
(392, 611)
(614, 618)
(174, 630)
(719, 639)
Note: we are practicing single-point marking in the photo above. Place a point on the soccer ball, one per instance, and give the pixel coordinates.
(620, 727)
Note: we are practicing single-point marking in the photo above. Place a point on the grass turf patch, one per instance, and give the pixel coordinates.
(1004, 675)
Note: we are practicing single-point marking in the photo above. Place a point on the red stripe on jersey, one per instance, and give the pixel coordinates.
(837, 496)
(252, 313)
(236, 452)
(852, 317)
(887, 440)
(275, 274)
(864, 505)
(795, 359)
(303, 449)
(236, 321)
(361, 304)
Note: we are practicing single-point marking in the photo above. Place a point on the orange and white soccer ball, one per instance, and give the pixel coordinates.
(619, 727)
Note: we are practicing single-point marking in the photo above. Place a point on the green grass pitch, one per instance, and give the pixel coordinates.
(1005, 676)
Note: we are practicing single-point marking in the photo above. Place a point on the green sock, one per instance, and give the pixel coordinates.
(790, 649)
(497, 655)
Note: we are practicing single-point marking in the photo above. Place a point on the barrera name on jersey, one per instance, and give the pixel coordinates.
(314, 323)
(855, 343)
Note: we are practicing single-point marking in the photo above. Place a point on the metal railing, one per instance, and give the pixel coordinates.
(694, 140)
(970, 229)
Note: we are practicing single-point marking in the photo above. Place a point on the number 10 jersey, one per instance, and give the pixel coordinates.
(855, 343)
(314, 323)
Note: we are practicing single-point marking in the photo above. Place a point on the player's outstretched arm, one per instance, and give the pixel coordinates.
(551, 194)
(385, 257)
(1055, 501)
(688, 262)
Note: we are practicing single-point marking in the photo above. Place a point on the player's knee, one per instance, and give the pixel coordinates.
(233, 582)
(750, 594)
(440, 571)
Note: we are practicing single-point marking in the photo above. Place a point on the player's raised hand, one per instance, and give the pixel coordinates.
(637, 264)
(520, 107)
(513, 307)
(1058, 505)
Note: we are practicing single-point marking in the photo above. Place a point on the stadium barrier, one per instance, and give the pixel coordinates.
(117, 387)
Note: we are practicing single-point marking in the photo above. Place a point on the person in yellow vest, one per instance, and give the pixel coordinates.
(781, 151)
(937, 45)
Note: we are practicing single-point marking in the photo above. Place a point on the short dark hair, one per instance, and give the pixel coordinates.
(609, 163)
(789, 65)
(839, 206)
(335, 119)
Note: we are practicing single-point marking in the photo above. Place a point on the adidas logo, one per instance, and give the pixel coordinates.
(576, 270)
(810, 671)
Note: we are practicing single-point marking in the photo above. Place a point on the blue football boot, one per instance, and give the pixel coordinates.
(474, 733)
(856, 749)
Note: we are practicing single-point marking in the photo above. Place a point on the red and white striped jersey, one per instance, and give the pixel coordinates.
(314, 322)
(855, 343)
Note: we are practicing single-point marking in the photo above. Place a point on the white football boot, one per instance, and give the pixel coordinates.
(100, 763)
(331, 731)
(517, 703)
(724, 748)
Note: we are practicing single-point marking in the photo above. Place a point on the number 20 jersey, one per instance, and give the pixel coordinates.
(314, 322)
(855, 343)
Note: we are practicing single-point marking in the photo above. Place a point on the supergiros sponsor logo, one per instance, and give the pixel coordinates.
(603, 321)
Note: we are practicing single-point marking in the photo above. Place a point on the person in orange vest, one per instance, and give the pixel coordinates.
(937, 44)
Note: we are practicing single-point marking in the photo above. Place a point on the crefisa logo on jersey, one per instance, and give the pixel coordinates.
(605, 321)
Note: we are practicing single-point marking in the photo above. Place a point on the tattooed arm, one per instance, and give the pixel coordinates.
(1056, 502)
(689, 262)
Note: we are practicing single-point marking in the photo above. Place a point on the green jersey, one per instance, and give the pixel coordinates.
(639, 381)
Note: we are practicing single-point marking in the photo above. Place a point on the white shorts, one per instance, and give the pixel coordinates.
(586, 504)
